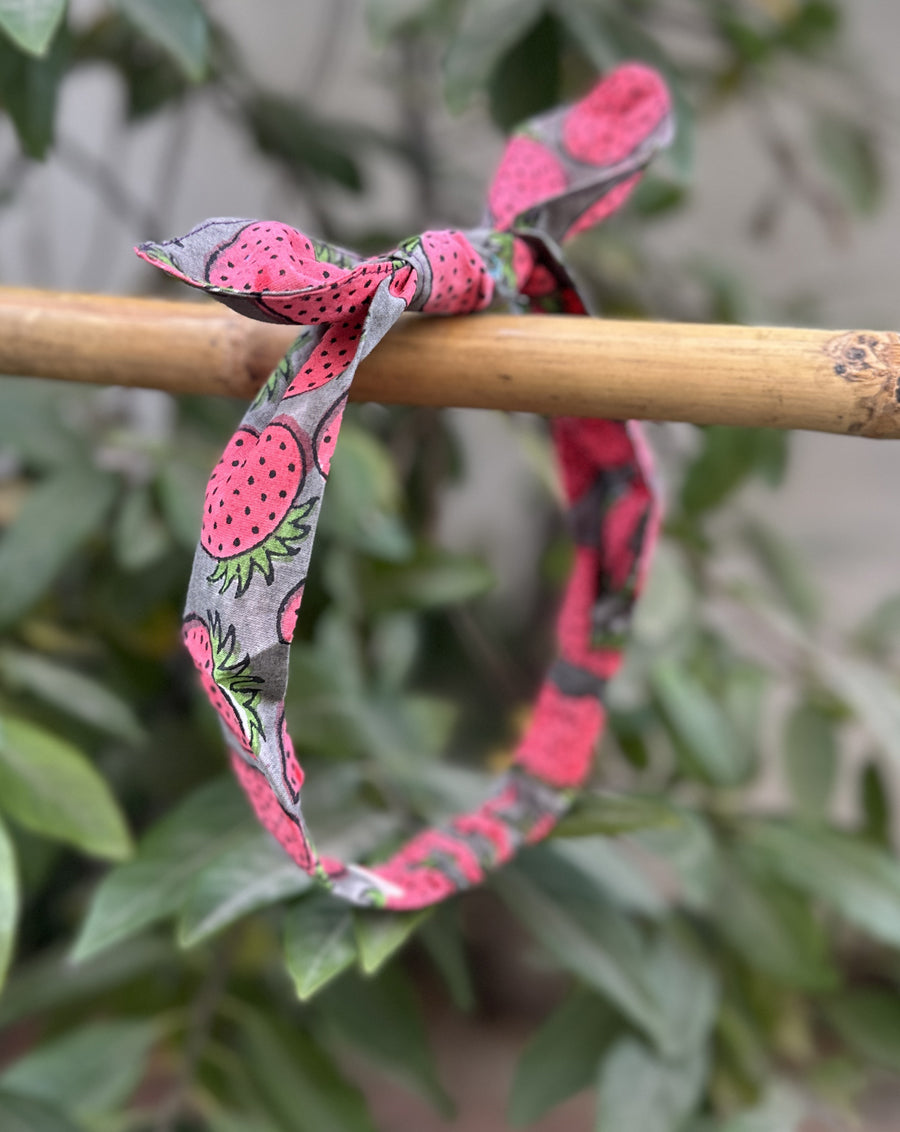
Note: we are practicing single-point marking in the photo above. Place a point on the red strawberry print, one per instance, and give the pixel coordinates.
(326, 434)
(528, 173)
(252, 513)
(287, 612)
(230, 686)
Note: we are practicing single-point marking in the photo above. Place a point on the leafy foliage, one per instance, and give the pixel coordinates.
(711, 952)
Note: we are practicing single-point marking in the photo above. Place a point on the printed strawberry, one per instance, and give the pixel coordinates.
(232, 689)
(528, 173)
(335, 351)
(252, 511)
(268, 256)
(287, 613)
(326, 434)
(618, 114)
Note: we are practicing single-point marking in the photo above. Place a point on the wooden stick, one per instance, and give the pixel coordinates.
(845, 382)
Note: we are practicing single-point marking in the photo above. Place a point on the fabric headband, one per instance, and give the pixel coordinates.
(560, 174)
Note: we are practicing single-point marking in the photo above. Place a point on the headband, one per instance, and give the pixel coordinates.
(560, 174)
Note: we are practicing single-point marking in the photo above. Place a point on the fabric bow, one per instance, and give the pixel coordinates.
(560, 174)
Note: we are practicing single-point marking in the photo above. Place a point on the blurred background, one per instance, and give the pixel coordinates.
(710, 945)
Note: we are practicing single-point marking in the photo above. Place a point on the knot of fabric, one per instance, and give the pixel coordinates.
(560, 174)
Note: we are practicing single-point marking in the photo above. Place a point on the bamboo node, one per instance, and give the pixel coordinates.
(870, 360)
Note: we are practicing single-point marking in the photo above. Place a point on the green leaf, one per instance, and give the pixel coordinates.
(781, 1110)
(140, 537)
(181, 488)
(57, 518)
(31, 24)
(868, 1021)
(688, 853)
(381, 1017)
(379, 935)
(613, 814)
(870, 692)
(9, 901)
(157, 881)
(442, 938)
(789, 576)
(23, 1114)
(29, 90)
(432, 579)
(526, 81)
(850, 154)
(487, 30)
(613, 870)
(880, 629)
(364, 498)
(703, 734)
(640, 1090)
(387, 19)
(286, 131)
(178, 26)
(592, 939)
(562, 1057)
(875, 804)
(810, 759)
(89, 1071)
(318, 942)
(859, 880)
(726, 460)
(686, 987)
(773, 929)
(244, 877)
(50, 982)
(81, 696)
(48, 786)
(297, 1080)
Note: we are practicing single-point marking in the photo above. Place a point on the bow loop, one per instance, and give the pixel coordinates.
(567, 170)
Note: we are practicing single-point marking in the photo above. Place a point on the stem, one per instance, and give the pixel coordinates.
(204, 1008)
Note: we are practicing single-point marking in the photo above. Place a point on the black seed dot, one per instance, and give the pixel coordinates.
(228, 520)
(271, 515)
(282, 446)
(237, 542)
(246, 510)
(251, 480)
(254, 530)
(272, 474)
(291, 467)
(282, 494)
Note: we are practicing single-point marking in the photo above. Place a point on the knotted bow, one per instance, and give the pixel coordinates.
(560, 174)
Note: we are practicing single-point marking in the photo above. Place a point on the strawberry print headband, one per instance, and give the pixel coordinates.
(560, 174)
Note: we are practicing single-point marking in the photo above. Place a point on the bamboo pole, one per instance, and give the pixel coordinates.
(844, 382)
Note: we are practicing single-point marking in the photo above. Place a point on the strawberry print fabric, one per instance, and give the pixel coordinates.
(560, 174)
